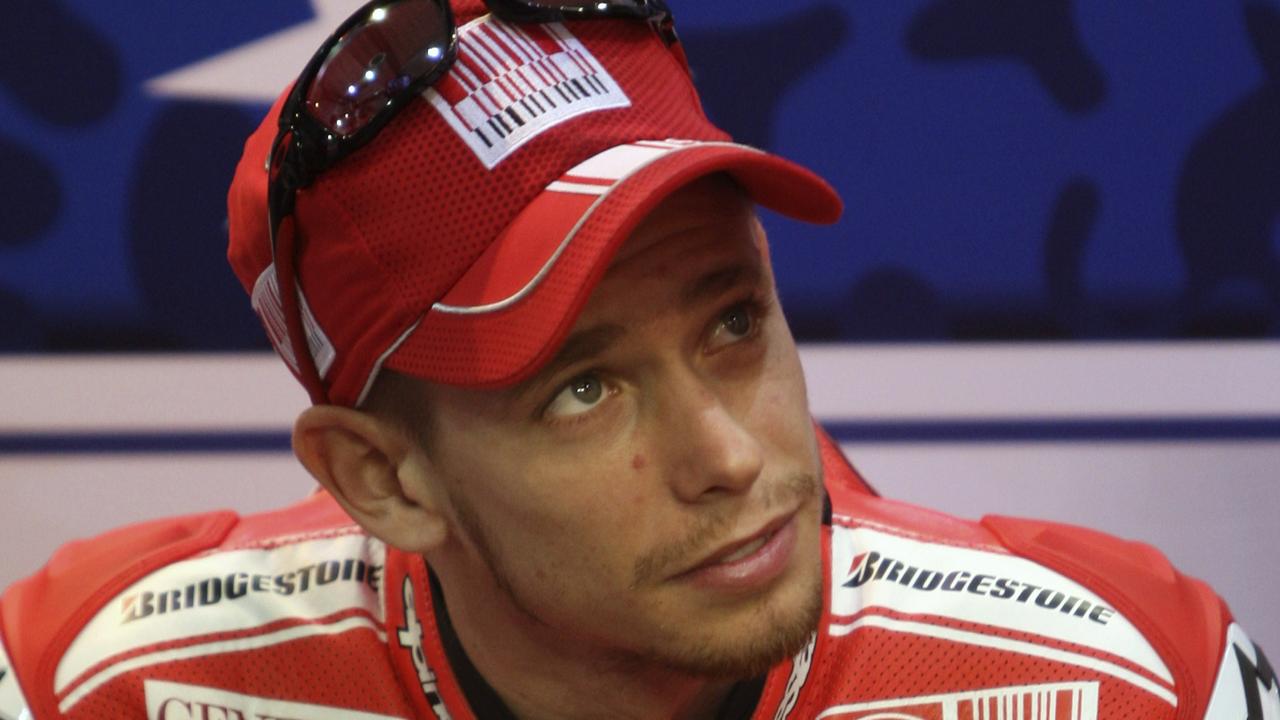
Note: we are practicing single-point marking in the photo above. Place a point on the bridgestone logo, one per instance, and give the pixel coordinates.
(873, 567)
(234, 586)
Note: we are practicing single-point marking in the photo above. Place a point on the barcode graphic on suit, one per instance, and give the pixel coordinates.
(1057, 701)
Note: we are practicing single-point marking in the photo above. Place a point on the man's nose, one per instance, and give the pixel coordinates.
(711, 451)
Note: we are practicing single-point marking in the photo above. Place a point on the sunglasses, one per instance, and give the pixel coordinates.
(379, 59)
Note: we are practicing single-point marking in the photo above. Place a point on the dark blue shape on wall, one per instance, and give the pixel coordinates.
(893, 303)
(57, 66)
(1042, 35)
(32, 196)
(23, 329)
(1074, 216)
(177, 231)
(1228, 204)
(742, 72)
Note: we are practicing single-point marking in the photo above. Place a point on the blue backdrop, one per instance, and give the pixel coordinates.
(1054, 169)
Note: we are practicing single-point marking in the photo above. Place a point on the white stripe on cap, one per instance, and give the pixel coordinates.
(265, 299)
(578, 188)
(619, 162)
(615, 164)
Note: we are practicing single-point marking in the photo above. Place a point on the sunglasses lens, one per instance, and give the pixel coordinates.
(397, 44)
(636, 8)
(581, 4)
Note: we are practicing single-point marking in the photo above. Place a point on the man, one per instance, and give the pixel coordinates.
(567, 462)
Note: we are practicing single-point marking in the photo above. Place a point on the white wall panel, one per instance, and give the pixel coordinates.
(1176, 445)
(50, 500)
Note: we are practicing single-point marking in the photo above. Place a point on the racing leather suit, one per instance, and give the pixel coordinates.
(298, 614)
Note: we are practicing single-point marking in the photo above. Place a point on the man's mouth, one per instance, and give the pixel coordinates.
(737, 550)
(748, 564)
(747, 549)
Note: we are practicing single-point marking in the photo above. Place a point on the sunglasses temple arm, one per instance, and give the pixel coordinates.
(286, 277)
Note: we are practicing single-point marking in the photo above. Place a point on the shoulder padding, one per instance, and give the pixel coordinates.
(1182, 618)
(843, 479)
(41, 615)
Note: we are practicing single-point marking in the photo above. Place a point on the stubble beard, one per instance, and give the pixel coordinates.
(778, 627)
(769, 636)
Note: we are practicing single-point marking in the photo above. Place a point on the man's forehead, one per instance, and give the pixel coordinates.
(710, 264)
(699, 244)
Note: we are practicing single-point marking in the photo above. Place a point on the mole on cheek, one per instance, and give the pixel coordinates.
(638, 462)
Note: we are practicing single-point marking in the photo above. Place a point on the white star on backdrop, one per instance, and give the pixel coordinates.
(259, 70)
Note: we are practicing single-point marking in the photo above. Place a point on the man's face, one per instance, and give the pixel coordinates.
(653, 495)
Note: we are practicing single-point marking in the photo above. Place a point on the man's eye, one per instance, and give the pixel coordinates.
(734, 324)
(580, 395)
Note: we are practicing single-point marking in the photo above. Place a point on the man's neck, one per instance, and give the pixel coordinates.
(517, 677)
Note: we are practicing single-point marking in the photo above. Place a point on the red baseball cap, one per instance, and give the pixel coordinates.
(460, 245)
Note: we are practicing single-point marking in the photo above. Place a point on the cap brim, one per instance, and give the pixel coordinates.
(511, 310)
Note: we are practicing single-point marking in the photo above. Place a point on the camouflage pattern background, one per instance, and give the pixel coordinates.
(1058, 169)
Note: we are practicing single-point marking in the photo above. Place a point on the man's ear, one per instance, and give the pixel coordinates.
(374, 471)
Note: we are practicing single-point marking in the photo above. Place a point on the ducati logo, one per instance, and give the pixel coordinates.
(513, 82)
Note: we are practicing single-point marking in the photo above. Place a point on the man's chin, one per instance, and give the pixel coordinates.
(749, 648)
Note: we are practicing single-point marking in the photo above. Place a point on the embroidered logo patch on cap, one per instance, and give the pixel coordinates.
(511, 83)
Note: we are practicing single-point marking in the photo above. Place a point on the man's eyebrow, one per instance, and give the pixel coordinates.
(595, 340)
(581, 345)
(717, 282)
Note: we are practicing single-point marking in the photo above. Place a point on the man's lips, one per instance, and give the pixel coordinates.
(748, 564)
(739, 549)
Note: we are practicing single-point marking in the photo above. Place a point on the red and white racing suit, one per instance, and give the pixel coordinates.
(300, 615)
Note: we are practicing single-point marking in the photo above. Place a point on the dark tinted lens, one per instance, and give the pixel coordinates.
(588, 8)
(376, 60)
(587, 4)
